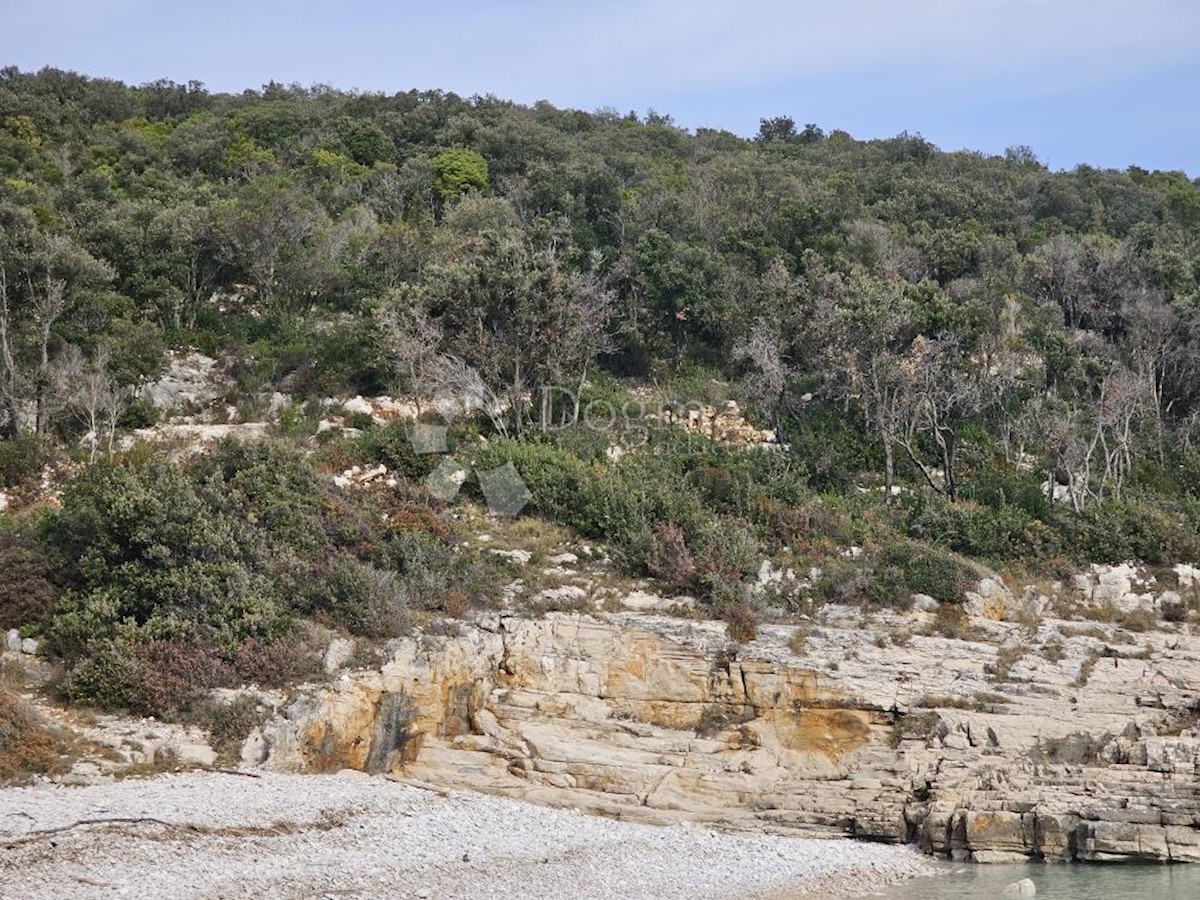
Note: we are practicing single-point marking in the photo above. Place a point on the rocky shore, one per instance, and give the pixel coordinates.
(213, 835)
(1052, 740)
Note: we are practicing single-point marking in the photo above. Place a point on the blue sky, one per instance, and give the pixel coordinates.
(1081, 81)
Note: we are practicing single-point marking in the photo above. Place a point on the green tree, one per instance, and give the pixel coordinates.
(458, 170)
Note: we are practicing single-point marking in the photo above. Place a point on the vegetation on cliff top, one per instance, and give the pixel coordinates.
(963, 357)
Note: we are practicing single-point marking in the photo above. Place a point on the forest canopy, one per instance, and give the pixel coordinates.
(981, 327)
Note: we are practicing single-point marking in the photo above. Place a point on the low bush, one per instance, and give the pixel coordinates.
(889, 577)
(228, 725)
(670, 559)
(392, 445)
(22, 458)
(1001, 532)
(1118, 530)
(178, 579)
(364, 600)
(741, 622)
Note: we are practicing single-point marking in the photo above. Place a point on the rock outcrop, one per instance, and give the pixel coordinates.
(1072, 742)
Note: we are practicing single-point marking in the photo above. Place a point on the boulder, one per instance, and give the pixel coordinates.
(339, 652)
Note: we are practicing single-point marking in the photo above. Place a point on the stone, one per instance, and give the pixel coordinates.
(521, 557)
(925, 603)
(29, 646)
(1187, 575)
(990, 600)
(12, 640)
(339, 652)
(195, 752)
(1024, 888)
(191, 379)
(254, 749)
(1124, 587)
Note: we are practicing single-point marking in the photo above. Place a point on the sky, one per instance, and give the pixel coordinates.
(1108, 83)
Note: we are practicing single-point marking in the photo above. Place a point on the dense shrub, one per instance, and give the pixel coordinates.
(1001, 532)
(210, 563)
(890, 576)
(1118, 530)
(727, 552)
(26, 591)
(22, 458)
(145, 545)
(364, 600)
(555, 477)
(670, 559)
(1000, 488)
(392, 445)
(741, 622)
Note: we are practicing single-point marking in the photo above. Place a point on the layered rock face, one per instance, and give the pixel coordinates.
(1068, 741)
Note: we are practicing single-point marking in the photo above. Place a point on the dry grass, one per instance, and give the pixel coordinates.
(951, 621)
(1090, 631)
(1006, 658)
(28, 744)
(1085, 669)
(799, 640)
(945, 701)
(1052, 651)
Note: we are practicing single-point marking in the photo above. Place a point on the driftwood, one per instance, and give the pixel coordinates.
(117, 820)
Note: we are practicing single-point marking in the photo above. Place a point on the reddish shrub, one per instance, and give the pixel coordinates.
(741, 621)
(670, 558)
(25, 590)
(175, 673)
(272, 662)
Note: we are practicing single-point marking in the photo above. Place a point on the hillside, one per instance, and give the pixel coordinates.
(291, 375)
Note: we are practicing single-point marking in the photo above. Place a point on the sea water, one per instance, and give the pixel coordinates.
(1055, 882)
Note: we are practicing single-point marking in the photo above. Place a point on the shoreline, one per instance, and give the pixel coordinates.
(216, 835)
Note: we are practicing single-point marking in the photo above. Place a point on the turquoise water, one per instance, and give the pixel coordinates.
(1056, 882)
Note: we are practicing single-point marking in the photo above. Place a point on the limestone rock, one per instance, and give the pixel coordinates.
(1024, 888)
(191, 379)
(651, 718)
(339, 652)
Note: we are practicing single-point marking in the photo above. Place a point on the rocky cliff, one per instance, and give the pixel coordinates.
(1064, 740)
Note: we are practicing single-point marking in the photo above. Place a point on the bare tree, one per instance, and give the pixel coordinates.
(10, 377)
(48, 305)
(94, 395)
(939, 395)
(410, 339)
(770, 371)
(576, 331)
(450, 379)
(1153, 343)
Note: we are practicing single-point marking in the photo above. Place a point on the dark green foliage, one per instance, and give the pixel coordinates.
(392, 445)
(22, 458)
(1122, 530)
(211, 564)
(1004, 531)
